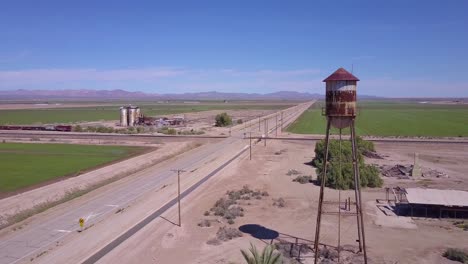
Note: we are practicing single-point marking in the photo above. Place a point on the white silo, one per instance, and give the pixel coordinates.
(131, 116)
(123, 117)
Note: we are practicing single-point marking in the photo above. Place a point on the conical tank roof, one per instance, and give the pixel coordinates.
(341, 75)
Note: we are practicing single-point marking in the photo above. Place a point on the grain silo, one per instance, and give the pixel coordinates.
(123, 117)
(340, 112)
(131, 115)
(137, 114)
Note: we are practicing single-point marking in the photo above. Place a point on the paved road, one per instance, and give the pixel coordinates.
(33, 239)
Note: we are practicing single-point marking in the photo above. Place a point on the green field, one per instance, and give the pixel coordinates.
(71, 115)
(394, 119)
(24, 165)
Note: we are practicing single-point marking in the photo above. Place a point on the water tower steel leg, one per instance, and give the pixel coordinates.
(357, 190)
(322, 186)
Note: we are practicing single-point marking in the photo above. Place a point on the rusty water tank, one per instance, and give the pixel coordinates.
(340, 98)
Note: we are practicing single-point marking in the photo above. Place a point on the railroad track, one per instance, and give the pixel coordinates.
(104, 136)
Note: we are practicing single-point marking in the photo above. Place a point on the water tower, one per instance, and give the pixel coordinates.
(340, 111)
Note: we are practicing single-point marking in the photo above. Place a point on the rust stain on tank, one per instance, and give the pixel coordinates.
(341, 96)
(341, 103)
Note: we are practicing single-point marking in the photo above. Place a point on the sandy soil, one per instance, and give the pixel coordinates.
(389, 239)
(200, 121)
(450, 159)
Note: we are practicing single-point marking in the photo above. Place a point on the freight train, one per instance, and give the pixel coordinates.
(62, 128)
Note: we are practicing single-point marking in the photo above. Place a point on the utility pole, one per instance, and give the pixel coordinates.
(258, 123)
(266, 132)
(250, 145)
(276, 125)
(281, 121)
(178, 192)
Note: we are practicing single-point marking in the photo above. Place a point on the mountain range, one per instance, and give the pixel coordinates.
(86, 94)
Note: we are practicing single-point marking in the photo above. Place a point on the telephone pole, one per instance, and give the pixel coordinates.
(281, 121)
(250, 145)
(179, 171)
(276, 125)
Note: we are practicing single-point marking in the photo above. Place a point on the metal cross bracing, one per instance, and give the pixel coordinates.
(357, 191)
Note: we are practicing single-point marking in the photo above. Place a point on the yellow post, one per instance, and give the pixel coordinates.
(81, 222)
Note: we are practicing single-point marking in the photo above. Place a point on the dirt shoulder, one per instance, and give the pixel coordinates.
(402, 240)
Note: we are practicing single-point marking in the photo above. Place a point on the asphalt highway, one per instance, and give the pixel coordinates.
(24, 244)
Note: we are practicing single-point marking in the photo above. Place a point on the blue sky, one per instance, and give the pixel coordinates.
(398, 48)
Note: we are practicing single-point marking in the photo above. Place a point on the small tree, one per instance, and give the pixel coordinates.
(369, 174)
(77, 128)
(223, 120)
(268, 256)
(456, 255)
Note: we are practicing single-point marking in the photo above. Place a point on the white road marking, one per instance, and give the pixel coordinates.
(63, 231)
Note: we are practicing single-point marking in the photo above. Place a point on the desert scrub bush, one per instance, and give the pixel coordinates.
(291, 250)
(239, 121)
(227, 233)
(293, 172)
(213, 242)
(222, 120)
(167, 131)
(223, 208)
(456, 255)
(344, 180)
(327, 253)
(461, 224)
(280, 202)
(227, 208)
(190, 132)
(204, 223)
(77, 128)
(303, 179)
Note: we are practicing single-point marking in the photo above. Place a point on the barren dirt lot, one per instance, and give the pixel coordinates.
(449, 159)
(201, 121)
(389, 239)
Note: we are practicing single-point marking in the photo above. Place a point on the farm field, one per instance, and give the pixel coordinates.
(394, 119)
(23, 165)
(96, 113)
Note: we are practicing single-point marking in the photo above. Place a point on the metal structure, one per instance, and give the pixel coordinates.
(429, 203)
(178, 171)
(137, 113)
(340, 111)
(123, 117)
(129, 115)
(63, 128)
